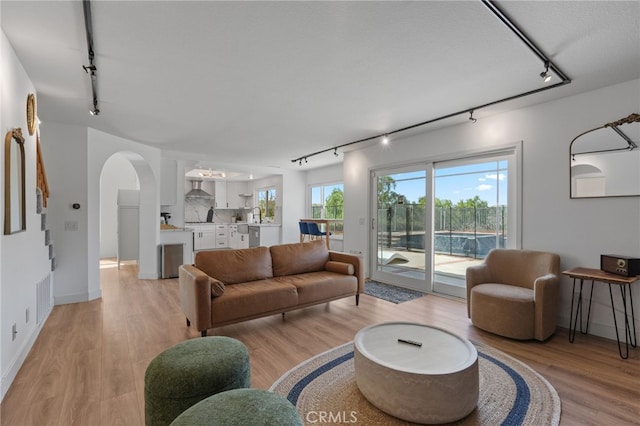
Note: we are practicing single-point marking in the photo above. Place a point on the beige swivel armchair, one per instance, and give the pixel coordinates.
(515, 293)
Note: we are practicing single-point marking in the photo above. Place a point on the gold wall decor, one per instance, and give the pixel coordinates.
(15, 218)
(31, 113)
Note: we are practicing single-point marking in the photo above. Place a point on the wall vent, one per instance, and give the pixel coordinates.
(43, 298)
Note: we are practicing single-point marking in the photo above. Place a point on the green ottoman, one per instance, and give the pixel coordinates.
(246, 407)
(191, 371)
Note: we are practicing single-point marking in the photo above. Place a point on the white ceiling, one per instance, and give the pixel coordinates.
(239, 84)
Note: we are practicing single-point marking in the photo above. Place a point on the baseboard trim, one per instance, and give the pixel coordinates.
(16, 364)
(77, 297)
(599, 329)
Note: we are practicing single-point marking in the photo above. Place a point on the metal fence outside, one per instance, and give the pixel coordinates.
(458, 231)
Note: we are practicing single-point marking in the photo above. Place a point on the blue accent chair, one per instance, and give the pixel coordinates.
(304, 230)
(314, 230)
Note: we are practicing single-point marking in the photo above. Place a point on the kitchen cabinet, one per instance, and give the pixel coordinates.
(221, 194)
(243, 241)
(204, 240)
(204, 237)
(238, 240)
(168, 182)
(221, 239)
(237, 195)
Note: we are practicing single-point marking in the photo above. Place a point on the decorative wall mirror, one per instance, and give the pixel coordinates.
(605, 161)
(14, 183)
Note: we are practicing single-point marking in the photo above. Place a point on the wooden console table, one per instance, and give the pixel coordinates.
(596, 275)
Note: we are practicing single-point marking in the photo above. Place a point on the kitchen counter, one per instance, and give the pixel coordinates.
(177, 230)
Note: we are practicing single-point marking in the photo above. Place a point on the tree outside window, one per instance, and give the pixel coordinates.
(267, 203)
(327, 202)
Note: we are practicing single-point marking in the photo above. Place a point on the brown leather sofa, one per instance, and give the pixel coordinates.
(225, 287)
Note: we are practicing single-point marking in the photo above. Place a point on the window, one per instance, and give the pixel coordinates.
(267, 203)
(327, 202)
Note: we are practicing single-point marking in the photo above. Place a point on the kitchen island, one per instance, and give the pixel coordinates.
(177, 236)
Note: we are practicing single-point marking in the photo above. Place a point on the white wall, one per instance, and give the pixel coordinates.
(65, 153)
(293, 204)
(117, 173)
(25, 258)
(579, 230)
(146, 162)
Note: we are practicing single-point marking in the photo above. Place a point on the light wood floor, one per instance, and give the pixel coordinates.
(87, 366)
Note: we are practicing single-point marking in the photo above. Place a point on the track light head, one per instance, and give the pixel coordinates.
(471, 119)
(300, 162)
(545, 75)
(385, 140)
(91, 68)
(94, 111)
(335, 152)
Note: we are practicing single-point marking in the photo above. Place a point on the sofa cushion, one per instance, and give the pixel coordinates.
(249, 299)
(503, 309)
(235, 266)
(298, 258)
(340, 267)
(317, 286)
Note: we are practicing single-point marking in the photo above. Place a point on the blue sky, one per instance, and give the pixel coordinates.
(459, 183)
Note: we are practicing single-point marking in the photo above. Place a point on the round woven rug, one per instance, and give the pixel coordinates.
(324, 391)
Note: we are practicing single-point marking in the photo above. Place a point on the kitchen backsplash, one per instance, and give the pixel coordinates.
(196, 210)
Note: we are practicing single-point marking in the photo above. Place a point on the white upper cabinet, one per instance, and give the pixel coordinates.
(237, 197)
(221, 194)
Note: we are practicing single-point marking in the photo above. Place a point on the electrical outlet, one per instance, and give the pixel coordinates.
(70, 225)
(14, 331)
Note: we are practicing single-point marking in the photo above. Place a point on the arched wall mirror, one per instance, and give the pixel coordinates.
(14, 183)
(605, 161)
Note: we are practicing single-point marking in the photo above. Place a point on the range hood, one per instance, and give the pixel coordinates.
(197, 191)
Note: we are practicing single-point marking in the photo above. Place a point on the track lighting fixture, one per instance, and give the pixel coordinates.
(91, 68)
(335, 152)
(544, 75)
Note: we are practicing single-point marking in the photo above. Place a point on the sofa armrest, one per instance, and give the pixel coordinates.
(357, 263)
(477, 274)
(546, 294)
(195, 296)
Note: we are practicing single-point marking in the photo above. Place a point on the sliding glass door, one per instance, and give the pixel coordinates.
(470, 217)
(433, 220)
(398, 227)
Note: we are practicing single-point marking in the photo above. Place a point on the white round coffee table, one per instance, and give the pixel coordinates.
(436, 382)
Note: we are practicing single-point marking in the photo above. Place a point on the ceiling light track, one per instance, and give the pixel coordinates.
(564, 79)
(491, 5)
(91, 68)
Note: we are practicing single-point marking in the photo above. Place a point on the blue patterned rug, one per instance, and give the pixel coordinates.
(390, 293)
(511, 393)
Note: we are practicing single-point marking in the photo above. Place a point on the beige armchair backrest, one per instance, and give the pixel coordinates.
(520, 267)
